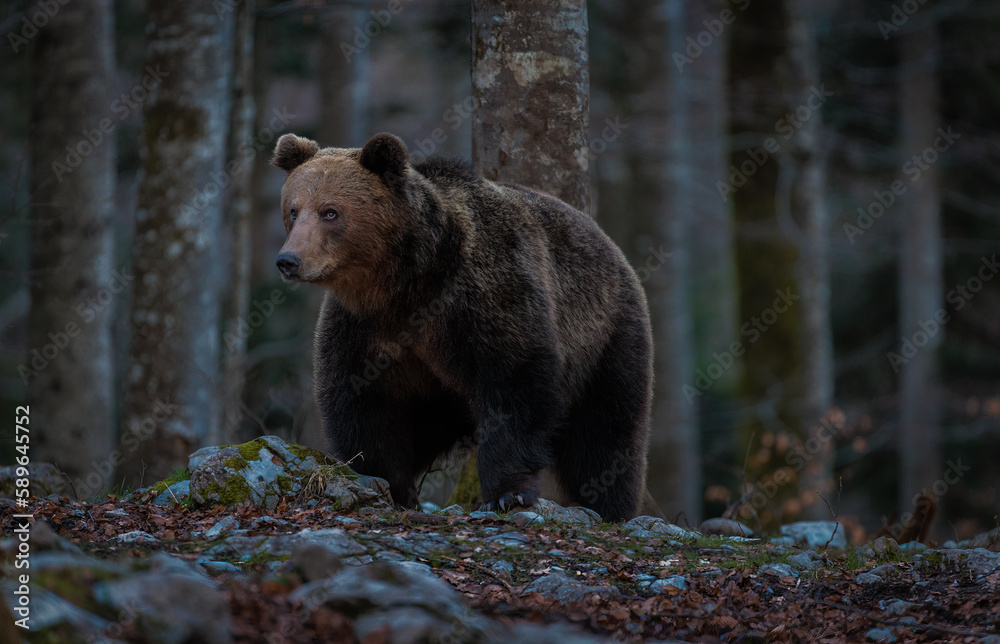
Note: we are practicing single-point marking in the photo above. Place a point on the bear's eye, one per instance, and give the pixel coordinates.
(293, 213)
(329, 214)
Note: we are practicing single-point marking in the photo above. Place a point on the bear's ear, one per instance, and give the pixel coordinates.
(292, 151)
(385, 155)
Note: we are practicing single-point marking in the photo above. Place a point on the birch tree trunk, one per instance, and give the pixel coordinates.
(173, 379)
(238, 228)
(344, 79)
(920, 269)
(531, 83)
(70, 380)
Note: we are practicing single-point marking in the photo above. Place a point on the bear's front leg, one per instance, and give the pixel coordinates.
(514, 434)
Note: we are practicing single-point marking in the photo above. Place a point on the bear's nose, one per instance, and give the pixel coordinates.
(288, 264)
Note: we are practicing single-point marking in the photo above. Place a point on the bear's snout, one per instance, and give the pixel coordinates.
(288, 264)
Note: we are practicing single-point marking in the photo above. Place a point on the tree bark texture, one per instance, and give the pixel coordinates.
(173, 380)
(920, 266)
(236, 304)
(531, 82)
(74, 286)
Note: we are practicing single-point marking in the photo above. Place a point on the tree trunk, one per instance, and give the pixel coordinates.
(807, 164)
(74, 285)
(920, 270)
(236, 305)
(172, 387)
(531, 82)
(344, 80)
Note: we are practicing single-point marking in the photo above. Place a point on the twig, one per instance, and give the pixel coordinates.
(835, 513)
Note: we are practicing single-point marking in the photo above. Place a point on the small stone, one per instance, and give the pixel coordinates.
(484, 514)
(521, 519)
(886, 547)
(223, 527)
(502, 568)
(783, 541)
(312, 561)
(454, 510)
(806, 560)
(912, 546)
(219, 567)
(778, 570)
(816, 534)
(896, 606)
(886, 570)
(724, 527)
(346, 520)
(881, 635)
(136, 536)
(176, 493)
(563, 589)
(865, 552)
(674, 581)
(866, 578)
(515, 539)
(429, 507)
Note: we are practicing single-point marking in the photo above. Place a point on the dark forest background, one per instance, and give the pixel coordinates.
(810, 191)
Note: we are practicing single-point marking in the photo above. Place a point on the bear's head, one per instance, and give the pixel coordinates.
(344, 211)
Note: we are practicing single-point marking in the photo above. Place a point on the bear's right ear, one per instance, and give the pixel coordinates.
(292, 151)
(385, 155)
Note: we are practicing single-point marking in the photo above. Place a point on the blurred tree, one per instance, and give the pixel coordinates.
(920, 268)
(531, 84)
(344, 78)
(806, 163)
(73, 283)
(237, 227)
(171, 400)
(776, 184)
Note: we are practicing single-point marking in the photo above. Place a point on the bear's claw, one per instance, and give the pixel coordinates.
(507, 502)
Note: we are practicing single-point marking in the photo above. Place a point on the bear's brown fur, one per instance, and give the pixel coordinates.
(460, 310)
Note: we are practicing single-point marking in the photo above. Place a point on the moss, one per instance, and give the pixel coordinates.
(233, 492)
(176, 476)
(304, 452)
(236, 463)
(467, 491)
(251, 451)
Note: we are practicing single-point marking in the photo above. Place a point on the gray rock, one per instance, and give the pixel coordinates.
(885, 571)
(222, 527)
(674, 581)
(49, 611)
(651, 525)
(561, 588)
(348, 494)
(454, 510)
(783, 542)
(896, 606)
(388, 555)
(238, 547)
(724, 527)
(644, 522)
(414, 606)
(556, 513)
(43, 479)
(865, 552)
(170, 607)
(502, 568)
(912, 546)
(985, 539)
(881, 635)
(521, 519)
(430, 507)
(778, 570)
(815, 534)
(313, 561)
(510, 539)
(219, 567)
(176, 493)
(978, 560)
(648, 534)
(885, 547)
(867, 578)
(136, 536)
(197, 458)
(346, 520)
(806, 560)
(333, 539)
(484, 514)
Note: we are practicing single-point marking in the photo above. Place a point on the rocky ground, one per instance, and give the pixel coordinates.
(267, 542)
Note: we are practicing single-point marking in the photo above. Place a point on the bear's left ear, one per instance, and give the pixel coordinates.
(385, 155)
(292, 151)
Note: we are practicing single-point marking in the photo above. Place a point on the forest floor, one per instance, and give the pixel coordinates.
(611, 585)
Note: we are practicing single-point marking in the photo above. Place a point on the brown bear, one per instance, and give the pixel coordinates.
(460, 310)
